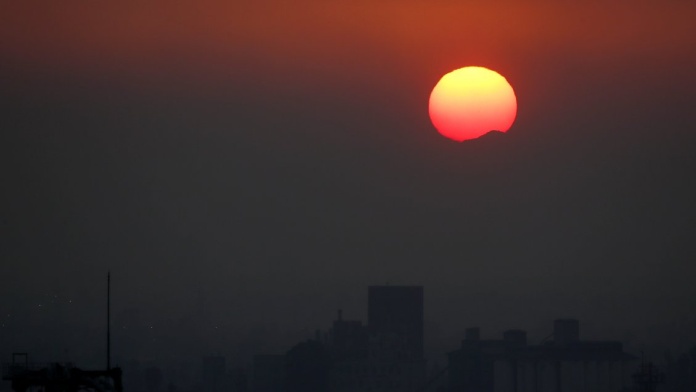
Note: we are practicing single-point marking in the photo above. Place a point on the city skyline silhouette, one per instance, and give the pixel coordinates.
(245, 169)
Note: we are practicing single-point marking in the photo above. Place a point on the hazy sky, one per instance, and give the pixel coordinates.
(247, 168)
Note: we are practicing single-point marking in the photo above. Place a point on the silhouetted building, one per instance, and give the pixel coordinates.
(238, 380)
(680, 372)
(348, 339)
(385, 355)
(25, 376)
(307, 368)
(565, 364)
(268, 373)
(395, 317)
(648, 377)
(213, 375)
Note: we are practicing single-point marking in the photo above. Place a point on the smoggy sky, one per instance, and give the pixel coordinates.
(247, 168)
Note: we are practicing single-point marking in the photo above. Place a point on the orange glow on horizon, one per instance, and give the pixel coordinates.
(469, 102)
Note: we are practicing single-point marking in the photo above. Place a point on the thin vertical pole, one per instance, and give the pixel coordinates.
(108, 321)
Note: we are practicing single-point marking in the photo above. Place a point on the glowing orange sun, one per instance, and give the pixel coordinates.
(469, 102)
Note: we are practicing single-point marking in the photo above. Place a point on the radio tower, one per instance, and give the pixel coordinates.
(108, 321)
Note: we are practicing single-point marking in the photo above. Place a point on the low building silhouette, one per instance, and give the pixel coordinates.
(25, 376)
(564, 363)
(213, 374)
(680, 372)
(268, 373)
(307, 367)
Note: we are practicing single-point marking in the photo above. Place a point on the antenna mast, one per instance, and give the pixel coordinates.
(108, 321)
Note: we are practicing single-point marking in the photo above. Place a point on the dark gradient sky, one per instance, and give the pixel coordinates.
(247, 168)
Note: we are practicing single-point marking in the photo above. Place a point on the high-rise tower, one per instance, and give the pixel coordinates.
(395, 317)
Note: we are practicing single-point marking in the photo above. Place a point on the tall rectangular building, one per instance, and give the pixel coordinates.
(395, 319)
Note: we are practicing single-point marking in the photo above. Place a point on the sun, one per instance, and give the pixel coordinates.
(469, 102)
